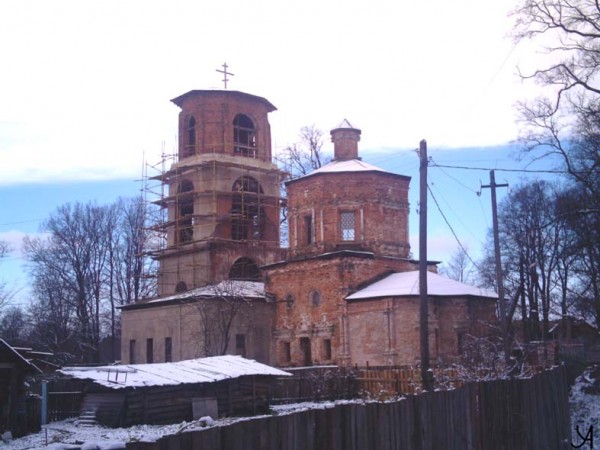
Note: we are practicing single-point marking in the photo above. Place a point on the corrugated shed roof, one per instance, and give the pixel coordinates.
(202, 370)
(407, 284)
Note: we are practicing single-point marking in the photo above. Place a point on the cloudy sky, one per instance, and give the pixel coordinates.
(86, 86)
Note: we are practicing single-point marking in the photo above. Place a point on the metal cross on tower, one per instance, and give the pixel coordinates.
(225, 73)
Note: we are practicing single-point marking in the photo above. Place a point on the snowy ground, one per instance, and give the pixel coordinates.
(69, 434)
(584, 404)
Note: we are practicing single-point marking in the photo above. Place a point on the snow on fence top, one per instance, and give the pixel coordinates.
(202, 370)
(406, 284)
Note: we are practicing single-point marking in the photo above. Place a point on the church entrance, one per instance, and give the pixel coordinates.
(305, 349)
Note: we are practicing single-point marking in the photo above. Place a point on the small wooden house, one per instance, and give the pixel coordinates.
(15, 366)
(161, 393)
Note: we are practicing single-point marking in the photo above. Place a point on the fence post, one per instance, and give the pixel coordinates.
(44, 402)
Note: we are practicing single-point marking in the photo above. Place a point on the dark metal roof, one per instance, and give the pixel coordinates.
(205, 92)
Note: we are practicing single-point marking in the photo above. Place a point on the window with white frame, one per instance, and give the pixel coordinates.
(348, 226)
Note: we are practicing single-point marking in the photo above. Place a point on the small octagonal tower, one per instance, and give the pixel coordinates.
(349, 205)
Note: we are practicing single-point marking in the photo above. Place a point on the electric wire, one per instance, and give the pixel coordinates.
(558, 172)
(452, 229)
(21, 222)
(454, 212)
(458, 181)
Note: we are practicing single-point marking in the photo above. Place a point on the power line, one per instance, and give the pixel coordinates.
(458, 181)
(558, 172)
(22, 221)
(457, 216)
(452, 229)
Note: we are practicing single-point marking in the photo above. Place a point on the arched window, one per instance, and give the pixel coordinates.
(244, 269)
(190, 138)
(180, 287)
(289, 301)
(315, 298)
(244, 136)
(247, 213)
(185, 212)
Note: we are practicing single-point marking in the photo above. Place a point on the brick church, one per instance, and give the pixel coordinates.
(344, 291)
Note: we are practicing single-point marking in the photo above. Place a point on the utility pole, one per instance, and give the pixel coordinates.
(426, 375)
(499, 276)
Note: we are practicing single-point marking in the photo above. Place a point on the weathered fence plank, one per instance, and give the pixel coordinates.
(501, 414)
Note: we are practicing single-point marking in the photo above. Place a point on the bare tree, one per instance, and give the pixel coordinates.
(533, 253)
(459, 267)
(223, 305)
(76, 255)
(14, 327)
(134, 278)
(53, 322)
(297, 160)
(306, 155)
(93, 260)
(565, 123)
(4, 249)
(580, 278)
(130, 272)
(4, 293)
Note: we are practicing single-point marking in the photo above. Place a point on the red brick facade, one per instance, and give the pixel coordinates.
(223, 193)
(386, 331)
(311, 306)
(377, 203)
(348, 227)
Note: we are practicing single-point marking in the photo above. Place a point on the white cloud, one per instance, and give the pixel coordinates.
(14, 239)
(86, 86)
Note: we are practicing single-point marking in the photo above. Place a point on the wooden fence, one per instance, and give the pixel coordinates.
(315, 384)
(502, 414)
(370, 382)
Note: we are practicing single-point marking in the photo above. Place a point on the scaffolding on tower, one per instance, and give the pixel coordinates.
(208, 198)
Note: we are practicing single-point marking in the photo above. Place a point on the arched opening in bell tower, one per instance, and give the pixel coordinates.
(247, 212)
(185, 212)
(244, 136)
(244, 269)
(190, 137)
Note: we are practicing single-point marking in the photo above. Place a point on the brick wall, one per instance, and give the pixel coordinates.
(299, 314)
(214, 112)
(379, 202)
(183, 323)
(210, 176)
(386, 331)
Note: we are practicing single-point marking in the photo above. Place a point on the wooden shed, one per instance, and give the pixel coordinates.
(15, 366)
(125, 395)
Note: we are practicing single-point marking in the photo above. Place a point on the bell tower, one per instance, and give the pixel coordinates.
(223, 199)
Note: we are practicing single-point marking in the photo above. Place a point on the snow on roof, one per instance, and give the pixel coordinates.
(202, 370)
(407, 284)
(227, 288)
(345, 124)
(348, 165)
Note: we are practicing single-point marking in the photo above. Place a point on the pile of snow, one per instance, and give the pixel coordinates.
(584, 402)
